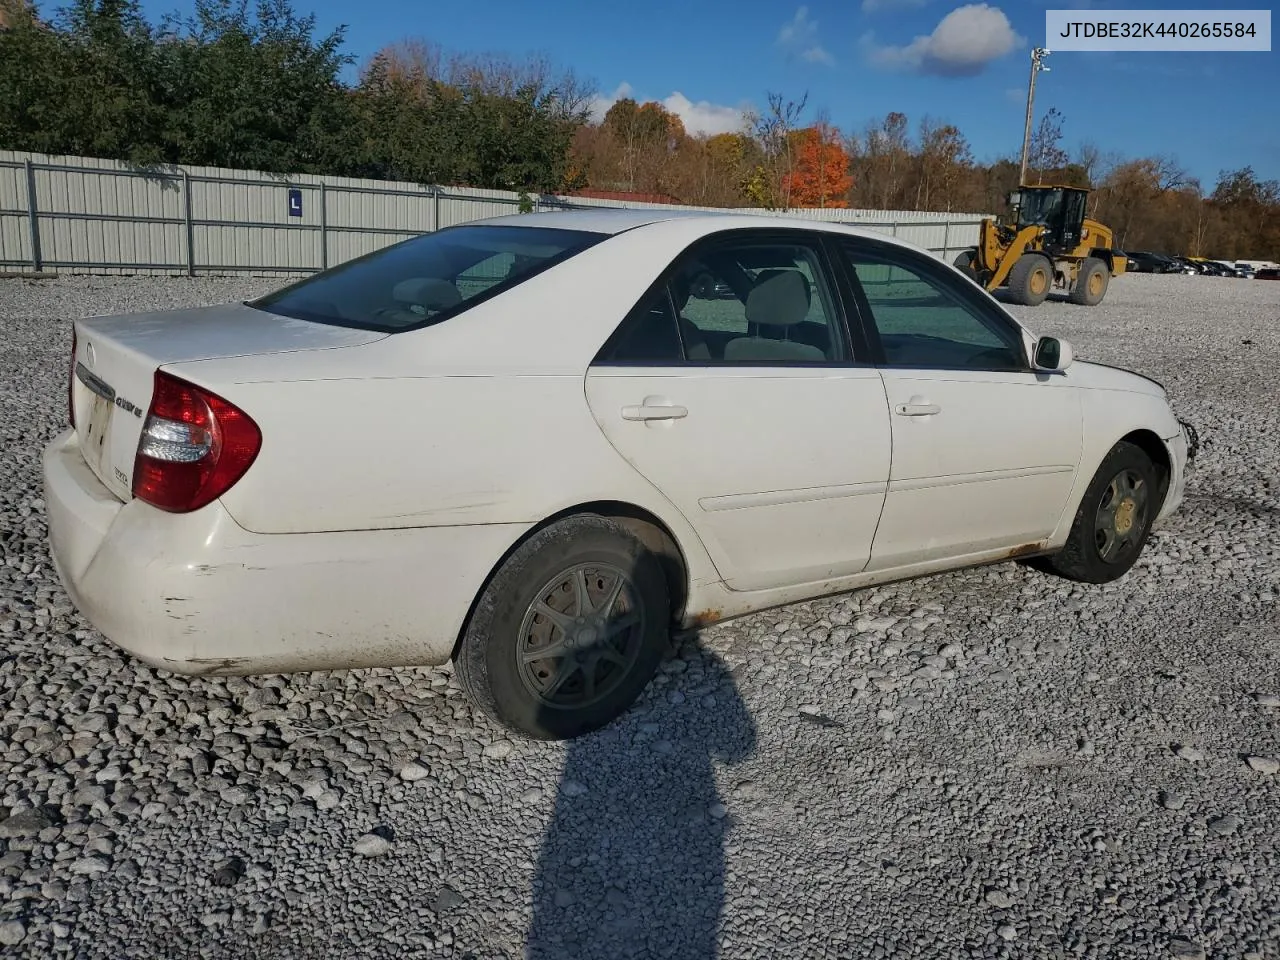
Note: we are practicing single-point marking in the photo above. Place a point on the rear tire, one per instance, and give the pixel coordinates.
(1030, 280)
(592, 595)
(966, 262)
(1091, 283)
(1113, 520)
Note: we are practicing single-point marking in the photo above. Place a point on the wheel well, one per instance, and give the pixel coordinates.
(1154, 448)
(642, 524)
(1100, 253)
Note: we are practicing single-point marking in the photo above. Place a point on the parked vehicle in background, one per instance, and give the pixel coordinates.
(1144, 261)
(1244, 270)
(1188, 265)
(1217, 269)
(1229, 268)
(1267, 273)
(532, 446)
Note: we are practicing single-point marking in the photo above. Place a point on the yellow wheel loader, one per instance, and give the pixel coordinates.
(1049, 245)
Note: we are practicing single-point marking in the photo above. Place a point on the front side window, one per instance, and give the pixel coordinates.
(739, 302)
(921, 323)
(426, 279)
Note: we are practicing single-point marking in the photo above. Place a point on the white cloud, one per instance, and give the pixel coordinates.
(600, 105)
(872, 6)
(961, 45)
(700, 117)
(705, 117)
(799, 36)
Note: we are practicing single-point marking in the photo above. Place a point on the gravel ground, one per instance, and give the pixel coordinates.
(991, 763)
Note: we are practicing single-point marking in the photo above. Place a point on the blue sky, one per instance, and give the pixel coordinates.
(960, 63)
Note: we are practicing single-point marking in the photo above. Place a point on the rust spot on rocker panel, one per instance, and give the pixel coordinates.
(1026, 550)
(705, 618)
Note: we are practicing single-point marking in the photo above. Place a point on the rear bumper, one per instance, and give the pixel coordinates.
(197, 594)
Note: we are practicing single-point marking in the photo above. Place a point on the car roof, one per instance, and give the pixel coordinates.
(595, 219)
(614, 220)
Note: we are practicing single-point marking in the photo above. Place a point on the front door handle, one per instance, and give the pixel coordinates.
(655, 408)
(917, 407)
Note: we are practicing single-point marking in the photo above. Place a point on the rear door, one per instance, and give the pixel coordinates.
(734, 388)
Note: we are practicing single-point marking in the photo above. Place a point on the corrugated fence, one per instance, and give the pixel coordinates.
(84, 215)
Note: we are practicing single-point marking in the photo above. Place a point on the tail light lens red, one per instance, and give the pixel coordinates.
(71, 381)
(194, 447)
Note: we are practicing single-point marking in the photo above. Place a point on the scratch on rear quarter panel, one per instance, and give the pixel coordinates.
(206, 667)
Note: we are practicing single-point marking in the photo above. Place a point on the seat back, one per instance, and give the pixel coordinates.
(779, 299)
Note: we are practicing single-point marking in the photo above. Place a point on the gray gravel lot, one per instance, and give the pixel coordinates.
(992, 763)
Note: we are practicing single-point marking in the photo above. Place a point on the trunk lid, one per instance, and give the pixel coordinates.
(117, 357)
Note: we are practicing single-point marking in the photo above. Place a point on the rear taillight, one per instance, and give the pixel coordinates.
(194, 447)
(71, 382)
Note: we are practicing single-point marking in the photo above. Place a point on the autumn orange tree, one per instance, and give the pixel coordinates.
(819, 175)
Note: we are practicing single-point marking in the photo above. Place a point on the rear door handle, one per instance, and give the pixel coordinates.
(655, 408)
(917, 408)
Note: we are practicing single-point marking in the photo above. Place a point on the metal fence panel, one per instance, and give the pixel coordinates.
(95, 216)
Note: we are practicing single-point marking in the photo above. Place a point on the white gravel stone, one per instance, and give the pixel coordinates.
(372, 845)
(498, 750)
(1171, 800)
(1000, 899)
(12, 932)
(1224, 825)
(1267, 765)
(413, 772)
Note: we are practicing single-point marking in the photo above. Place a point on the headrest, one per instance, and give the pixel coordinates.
(427, 292)
(780, 298)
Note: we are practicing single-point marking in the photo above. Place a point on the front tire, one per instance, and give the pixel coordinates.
(1091, 283)
(1030, 280)
(568, 632)
(1113, 520)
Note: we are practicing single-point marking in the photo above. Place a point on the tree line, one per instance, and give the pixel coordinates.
(254, 85)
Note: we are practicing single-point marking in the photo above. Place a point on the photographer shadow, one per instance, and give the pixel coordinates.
(633, 860)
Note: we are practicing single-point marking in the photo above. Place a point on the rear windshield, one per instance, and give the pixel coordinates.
(426, 279)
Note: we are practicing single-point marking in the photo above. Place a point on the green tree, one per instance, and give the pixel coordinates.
(90, 84)
(259, 91)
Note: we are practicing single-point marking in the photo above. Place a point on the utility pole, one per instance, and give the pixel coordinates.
(1037, 64)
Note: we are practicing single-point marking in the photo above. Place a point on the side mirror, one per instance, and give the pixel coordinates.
(1052, 354)
(1015, 198)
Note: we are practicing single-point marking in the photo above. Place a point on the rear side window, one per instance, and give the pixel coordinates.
(427, 279)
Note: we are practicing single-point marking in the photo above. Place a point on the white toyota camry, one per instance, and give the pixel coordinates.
(538, 444)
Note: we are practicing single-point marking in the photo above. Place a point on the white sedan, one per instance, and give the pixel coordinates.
(537, 444)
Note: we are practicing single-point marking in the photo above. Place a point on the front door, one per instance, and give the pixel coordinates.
(732, 388)
(985, 449)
